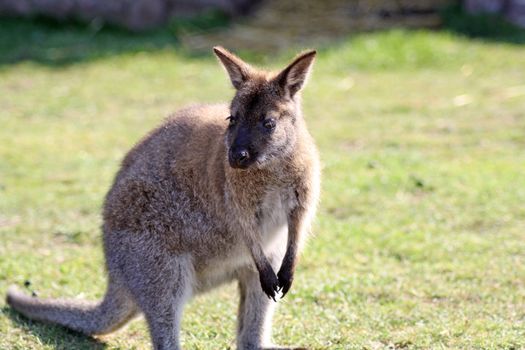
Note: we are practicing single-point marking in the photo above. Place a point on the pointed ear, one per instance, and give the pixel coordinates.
(293, 77)
(237, 69)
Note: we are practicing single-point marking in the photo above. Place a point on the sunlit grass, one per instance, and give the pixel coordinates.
(420, 235)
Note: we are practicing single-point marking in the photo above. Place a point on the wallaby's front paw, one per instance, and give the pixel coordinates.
(285, 276)
(269, 282)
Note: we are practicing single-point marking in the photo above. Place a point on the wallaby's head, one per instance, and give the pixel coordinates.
(264, 111)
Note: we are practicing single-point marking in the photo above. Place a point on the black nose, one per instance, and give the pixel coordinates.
(240, 157)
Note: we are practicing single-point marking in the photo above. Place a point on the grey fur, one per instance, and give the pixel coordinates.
(180, 219)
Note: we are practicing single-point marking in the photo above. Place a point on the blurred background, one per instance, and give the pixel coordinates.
(417, 108)
(264, 24)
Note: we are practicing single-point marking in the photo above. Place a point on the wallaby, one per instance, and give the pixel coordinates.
(216, 193)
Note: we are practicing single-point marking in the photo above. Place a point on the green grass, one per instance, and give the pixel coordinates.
(420, 237)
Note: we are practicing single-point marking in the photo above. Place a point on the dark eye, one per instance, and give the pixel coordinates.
(232, 119)
(269, 124)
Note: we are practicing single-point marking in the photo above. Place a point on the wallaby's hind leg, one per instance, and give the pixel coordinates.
(162, 300)
(255, 313)
(160, 283)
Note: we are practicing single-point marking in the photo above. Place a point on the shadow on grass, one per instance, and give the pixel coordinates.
(53, 43)
(58, 44)
(484, 27)
(52, 335)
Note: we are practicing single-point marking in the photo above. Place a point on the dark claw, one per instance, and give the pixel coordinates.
(269, 283)
(285, 277)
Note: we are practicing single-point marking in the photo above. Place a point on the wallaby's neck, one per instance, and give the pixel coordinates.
(260, 177)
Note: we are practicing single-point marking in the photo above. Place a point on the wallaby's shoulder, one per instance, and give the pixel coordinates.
(188, 125)
(168, 161)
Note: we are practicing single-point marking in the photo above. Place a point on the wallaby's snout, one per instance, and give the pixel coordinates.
(241, 153)
(240, 157)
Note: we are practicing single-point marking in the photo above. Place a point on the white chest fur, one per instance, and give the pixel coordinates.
(273, 218)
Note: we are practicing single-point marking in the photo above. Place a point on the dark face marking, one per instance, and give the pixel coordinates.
(242, 152)
(253, 100)
(260, 128)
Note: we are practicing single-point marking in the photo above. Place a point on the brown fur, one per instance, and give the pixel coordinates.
(181, 217)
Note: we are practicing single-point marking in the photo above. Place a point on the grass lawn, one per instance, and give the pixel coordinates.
(420, 237)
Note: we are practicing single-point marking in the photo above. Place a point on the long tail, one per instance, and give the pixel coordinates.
(90, 318)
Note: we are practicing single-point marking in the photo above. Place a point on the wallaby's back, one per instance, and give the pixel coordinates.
(172, 181)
